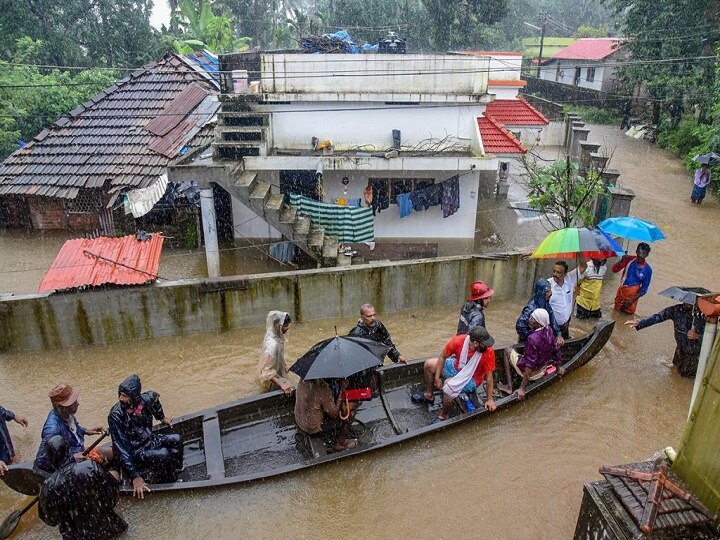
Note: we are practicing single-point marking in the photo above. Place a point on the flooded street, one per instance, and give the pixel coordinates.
(519, 474)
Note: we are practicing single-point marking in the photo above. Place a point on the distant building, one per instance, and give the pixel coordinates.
(588, 63)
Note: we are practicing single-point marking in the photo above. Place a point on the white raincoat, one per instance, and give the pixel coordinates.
(272, 358)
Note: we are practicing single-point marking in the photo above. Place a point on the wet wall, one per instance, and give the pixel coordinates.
(102, 316)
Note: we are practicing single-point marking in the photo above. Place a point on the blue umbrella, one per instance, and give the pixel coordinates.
(632, 228)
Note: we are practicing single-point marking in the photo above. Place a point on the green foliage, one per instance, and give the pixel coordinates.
(596, 115)
(201, 29)
(31, 100)
(587, 31)
(688, 134)
(558, 189)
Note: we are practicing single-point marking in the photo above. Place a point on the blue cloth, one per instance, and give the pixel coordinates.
(6, 446)
(450, 371)
(56, 425)
(282, 251)
(404, 204)
(638, 276)
(450, 202)
(354, 202)
(522, 326)
(698, 193)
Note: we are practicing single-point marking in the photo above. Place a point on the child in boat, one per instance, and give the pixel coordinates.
(541, 352)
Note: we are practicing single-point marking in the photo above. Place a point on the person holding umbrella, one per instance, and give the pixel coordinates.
(702, 180)
(637, 274)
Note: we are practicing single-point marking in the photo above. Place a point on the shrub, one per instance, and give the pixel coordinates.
(596, 115)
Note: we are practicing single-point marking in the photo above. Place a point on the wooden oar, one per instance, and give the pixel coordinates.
(11, 522)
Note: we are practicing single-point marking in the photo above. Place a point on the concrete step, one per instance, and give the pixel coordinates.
(243, 118)
(301, 226)
(275, 203)
(245, 184)
(259, 196)
(330, 247)
(238, 144)
(315, 237)
(243, 129)
(287, 214)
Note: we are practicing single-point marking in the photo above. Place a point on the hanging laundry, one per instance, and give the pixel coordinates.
(354, 202)
(450, 196)
(380, 195)
(282, 251)
(346, 223)
(404, 204)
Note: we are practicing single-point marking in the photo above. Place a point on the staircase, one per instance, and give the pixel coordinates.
(243, 132)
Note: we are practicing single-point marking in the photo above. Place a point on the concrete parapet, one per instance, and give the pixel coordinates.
(107, 315)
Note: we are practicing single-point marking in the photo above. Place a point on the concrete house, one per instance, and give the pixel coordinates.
(106, 161)
(587, 63)
(356, 136)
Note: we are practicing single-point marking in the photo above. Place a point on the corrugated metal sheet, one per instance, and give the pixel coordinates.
(91, 262)
(82, 150)
(176, 110)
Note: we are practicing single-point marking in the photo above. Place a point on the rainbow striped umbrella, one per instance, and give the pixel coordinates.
(573, 241)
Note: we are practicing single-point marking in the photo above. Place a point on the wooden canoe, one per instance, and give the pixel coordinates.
(256, 437)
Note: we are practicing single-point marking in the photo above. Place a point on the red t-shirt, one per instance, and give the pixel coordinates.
(485, 365)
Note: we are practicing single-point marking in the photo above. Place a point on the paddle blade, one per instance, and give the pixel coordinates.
(23, 479)
(10, 523)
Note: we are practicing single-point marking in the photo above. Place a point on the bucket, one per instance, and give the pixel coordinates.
(240, 81)
(255, 87)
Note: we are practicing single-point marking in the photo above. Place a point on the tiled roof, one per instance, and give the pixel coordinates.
(496, 139)
(588, 49)
(515, 112)
(88, 262)
(503, 82)
(105, 142)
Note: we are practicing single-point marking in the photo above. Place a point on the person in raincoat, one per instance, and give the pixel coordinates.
(273, 368)
(78, 497)
(61, 420)
(472, 313)
(141, 451)
(540, 300)
(689, 326)
(7, 450)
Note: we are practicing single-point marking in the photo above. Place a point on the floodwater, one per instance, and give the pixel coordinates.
(518, 474)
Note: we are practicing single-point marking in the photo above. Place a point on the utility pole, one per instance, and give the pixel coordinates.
(543, 21)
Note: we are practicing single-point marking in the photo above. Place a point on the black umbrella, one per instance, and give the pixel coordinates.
(708, 159)
(339, 357)
(686, 295)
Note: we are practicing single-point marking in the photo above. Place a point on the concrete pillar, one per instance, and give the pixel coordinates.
(620, 201)
(586, 149)
(209, 221)
(579, 135)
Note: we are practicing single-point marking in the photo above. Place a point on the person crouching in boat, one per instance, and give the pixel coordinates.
(319, 413)
(464, 362)
(541, 352)
(61, 421)
(273, 368)
(140, 450)
(78, 497)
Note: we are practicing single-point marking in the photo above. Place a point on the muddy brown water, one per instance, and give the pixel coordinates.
(518, 474)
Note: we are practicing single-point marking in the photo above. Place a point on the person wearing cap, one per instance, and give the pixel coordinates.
(471, 314)
(369, 327)
(541, 352)
(7, 450)
(140, 450)
(61, 421)
(464, 362)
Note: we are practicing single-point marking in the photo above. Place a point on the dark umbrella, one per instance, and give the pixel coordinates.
(708, 159)
(686, 295)
(339, 357)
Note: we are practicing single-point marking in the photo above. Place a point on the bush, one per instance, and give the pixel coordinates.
(596, 115)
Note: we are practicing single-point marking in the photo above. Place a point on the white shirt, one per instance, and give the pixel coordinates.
(561, 300)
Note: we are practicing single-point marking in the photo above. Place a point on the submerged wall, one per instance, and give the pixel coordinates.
(100, 316)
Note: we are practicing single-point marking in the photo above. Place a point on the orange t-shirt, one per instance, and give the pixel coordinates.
(485, 365)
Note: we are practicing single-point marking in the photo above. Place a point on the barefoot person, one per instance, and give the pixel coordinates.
(465, 361)
(637, 274)
(273, 368)
(7, 450)
(318, 413)
(541, 351)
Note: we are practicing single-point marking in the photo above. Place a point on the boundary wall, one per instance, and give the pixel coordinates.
(109, 315)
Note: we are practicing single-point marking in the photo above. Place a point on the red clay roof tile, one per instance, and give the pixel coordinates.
(496, 139)
(515, 112)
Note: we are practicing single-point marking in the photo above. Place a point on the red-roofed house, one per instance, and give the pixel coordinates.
(587, 63)
(518, 116)
(498, 140)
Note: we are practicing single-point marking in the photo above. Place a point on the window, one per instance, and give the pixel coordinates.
(398, 186)
(590, 74)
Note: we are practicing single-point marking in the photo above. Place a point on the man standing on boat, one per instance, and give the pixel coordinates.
(562, 284)
(369, 327)
(465, 361)
(471, 314)
(139, 449)
(273, 368)
(78, 497)
(7, 451)
(61, 421)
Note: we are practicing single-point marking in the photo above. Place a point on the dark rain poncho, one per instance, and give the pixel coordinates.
(522, 326)
(471, 315)
(79, 497)
(6, 446)
(687, 351)
(377, 332)
(138, 449)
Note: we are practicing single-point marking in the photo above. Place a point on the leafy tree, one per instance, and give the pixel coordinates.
(587, 31)
(558, 189)
(202, 29)
(463, 24)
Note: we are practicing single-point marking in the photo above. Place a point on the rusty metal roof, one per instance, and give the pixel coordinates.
(106, 142)
(90, 262)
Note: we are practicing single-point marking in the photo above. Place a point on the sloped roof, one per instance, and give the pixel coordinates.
(88, 262)
(496, 139)
(106, 139)
(588, 49)
(515, 112)
(504, 82)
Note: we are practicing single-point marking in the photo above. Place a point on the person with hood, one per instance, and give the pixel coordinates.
(540, 299)
(78, 497)
(7, 450)
(471, 314)
(273, 368)
(61, 421)
(541, 352)
(140, 450)
(689, 325)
